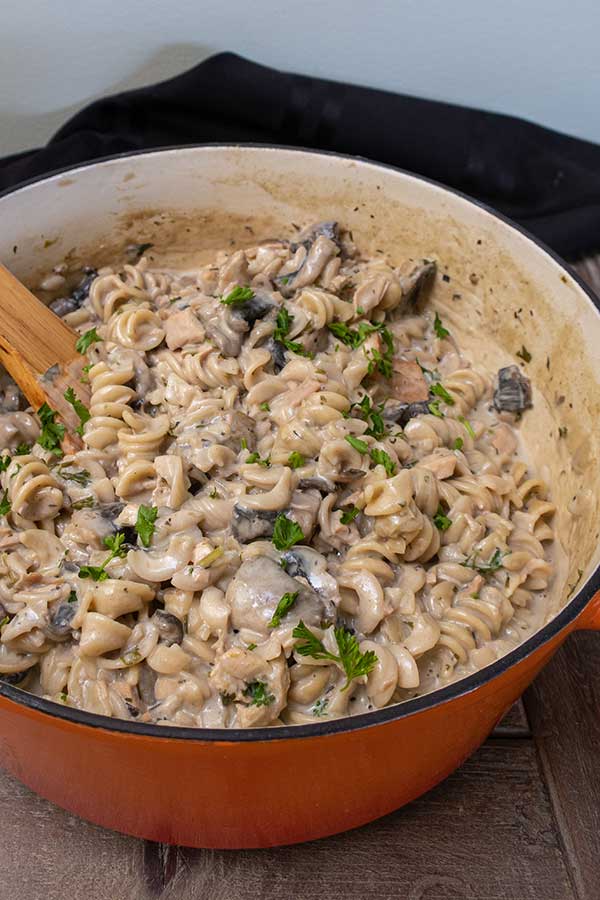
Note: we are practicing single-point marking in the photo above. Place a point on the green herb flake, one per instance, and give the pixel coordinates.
(114, 543)
(144, 526)
(382, 362)
(354, 663)
(485, 568)
(350, 337)
(441, 392)
(434, 409)
(372, 415)
(4, 463)
(295, 460)
(52, 433)
(441, 520)
(86, 340)
(79, 476)
(5, 504)
(283, 607)
(131, 657)
(381, 458)
(320, 707)
(64, 697)
(467, 426)
(238, 296)
(349, 515)
(4, 621)
(359, 445)
(85, 502)
(255, 458)
(562, 431)
(286, 532)
(22, 450)
(439, 329)
(524, 354)
(258, 693)
(72, 598)
(458, 444)
(264, 407)
(82, 411)
(252, 646)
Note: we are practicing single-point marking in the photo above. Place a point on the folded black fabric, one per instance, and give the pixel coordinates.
(547, 181)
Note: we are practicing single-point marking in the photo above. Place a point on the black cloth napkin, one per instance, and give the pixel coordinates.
(547, 181)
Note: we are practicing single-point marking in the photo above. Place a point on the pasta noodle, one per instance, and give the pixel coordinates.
(297, 498)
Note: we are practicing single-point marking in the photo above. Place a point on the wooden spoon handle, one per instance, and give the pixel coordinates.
(38, 350)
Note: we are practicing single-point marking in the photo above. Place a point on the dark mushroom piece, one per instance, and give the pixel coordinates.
(170, 628)
(416, 280)
(250, 524)
(513, 391)
(278, 355)
(321, 251)
(309, 235)
(146, 681)
(402, 413)
(59, 623)
(253, 310)
(318, 482)
(17, 678)
(304, 562)
(258, 586)
(64, 305)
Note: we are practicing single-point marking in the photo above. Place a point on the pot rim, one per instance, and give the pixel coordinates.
(581, 597)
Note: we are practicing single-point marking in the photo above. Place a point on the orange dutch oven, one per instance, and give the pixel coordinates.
(261, 787)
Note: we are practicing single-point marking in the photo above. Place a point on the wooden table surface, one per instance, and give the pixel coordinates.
(519, 821)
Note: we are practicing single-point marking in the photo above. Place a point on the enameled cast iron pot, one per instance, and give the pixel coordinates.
(218, 788)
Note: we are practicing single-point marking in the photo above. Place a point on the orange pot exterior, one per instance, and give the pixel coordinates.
(254, 794)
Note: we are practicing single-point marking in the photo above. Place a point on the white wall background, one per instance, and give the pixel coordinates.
(535, 58)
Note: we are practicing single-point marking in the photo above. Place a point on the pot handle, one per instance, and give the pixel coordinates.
(589, 619)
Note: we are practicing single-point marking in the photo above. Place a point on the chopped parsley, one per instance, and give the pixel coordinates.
(23, 449)
(441, 392)
(85, 503)
(320, 707)
(372, 415)
(381, 458)
(255, 458)
(81, 410)
(264, 407)
(295, 460)
(434, 409)
(286, 532)
(349, 515)
(283, 607)
(4, 504)
(79, 476)
(210, 558)
(354, 663)
(4, 621)
(458, 444)
(114, 542)
(283, 324)
(238, 296)
(144, 526)
(439, 329)
(353, 338)
(441, 520)
(524, 354)
(258, 693)
(467, 425)
(52, 433)
(72, 598)
(382, 362)
(86, 340)
(4, 463)
(485, 568)
(359, 445)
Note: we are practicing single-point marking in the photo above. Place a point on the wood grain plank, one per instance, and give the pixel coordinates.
(48, 854)
(564, 709)
(487, 833)
(514, 723)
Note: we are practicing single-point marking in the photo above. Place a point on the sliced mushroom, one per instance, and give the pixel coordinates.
(403, 412)
(64, 305)
(513, 391)
(227, 330)
(304, 562)
(278, 355)
(59, 623)
(408, 382)
(415, 278)
(321, 251)
(253, 310)
(170, 628)
(318, 482)
(308, 235)
(257, 588)
(249, 524)
(147, 680)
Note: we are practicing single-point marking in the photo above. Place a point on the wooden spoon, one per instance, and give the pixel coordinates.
(38, 350)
